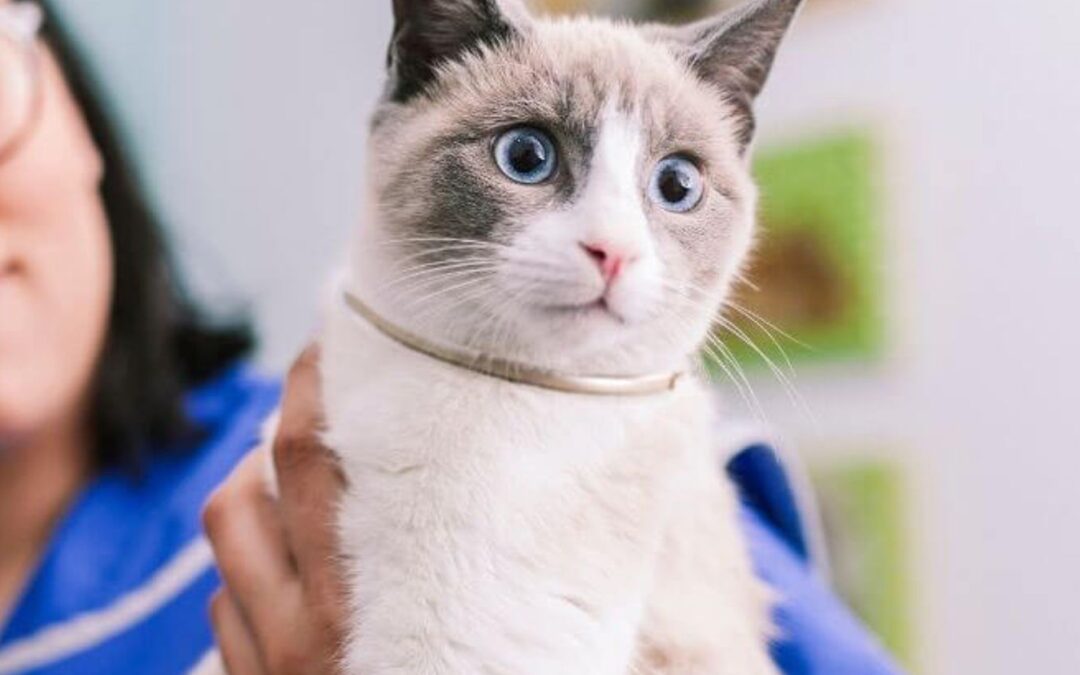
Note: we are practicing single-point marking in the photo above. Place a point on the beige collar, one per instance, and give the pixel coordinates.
(597, 385)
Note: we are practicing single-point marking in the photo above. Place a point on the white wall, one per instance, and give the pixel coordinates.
(251, 117)
(978, 105)
(252, 113)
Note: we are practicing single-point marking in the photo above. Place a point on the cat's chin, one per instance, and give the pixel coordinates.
(594, 338)
(580, 327)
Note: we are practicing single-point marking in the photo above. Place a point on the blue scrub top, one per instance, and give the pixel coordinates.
(125, 582)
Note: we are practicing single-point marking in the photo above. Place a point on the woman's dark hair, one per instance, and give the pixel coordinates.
(158, 344)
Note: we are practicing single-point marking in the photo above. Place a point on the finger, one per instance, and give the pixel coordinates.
(234, 639)
(309, 481)
(244, 526)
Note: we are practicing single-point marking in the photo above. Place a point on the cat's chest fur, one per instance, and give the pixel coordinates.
(499, 528)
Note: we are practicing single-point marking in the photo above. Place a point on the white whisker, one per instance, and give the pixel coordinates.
(437, 271)
(760, 320)
(792, 391)
(419, 303)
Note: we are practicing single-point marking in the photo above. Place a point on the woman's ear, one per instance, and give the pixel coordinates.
(736, 50)
(428, 33)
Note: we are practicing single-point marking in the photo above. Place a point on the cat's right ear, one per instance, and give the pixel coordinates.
(428, 33)
(735, 51)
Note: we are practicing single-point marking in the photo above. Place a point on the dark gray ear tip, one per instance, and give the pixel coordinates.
(736, 50)
(768, 10)
(780, 5)
(430, 33)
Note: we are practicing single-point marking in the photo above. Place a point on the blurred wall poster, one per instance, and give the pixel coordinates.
(862, 504)
(812, 290)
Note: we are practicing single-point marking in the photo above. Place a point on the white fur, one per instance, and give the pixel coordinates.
(505, 529)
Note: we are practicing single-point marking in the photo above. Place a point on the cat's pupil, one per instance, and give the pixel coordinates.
(527, 154)
(675, 185)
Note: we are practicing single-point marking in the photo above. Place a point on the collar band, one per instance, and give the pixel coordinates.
(512, 371)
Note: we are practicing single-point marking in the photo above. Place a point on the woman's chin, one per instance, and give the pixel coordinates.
(15, 433)
(27, 406)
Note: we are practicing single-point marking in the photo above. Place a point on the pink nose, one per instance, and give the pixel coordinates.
(610, 261)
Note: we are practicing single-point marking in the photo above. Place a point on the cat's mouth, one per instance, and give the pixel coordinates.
(595, 308)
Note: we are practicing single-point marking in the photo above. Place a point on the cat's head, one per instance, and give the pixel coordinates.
(574, 193)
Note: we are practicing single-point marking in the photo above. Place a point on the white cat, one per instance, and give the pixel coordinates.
(558, 208)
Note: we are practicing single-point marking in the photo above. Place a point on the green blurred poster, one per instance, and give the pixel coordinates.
(814, 274)
(863, 507)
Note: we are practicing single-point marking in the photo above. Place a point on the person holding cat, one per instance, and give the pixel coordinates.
(122, 409)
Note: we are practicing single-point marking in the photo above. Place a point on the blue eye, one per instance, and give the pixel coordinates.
(526, 155)
(677, 184)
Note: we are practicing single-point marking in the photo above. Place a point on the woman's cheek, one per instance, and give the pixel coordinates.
(54, 311)
(56, 316)
(54, 328)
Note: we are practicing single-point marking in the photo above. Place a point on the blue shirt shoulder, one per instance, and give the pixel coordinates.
(818, 635)
(124, 583)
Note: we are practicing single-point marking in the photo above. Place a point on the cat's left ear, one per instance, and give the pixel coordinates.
(736, 50)
(429, 33)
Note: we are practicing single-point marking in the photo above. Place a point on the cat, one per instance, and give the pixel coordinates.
(556, 206)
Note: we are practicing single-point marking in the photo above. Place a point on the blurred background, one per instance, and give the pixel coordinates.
(918, 267)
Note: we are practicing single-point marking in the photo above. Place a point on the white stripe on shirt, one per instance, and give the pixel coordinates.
(85, 631)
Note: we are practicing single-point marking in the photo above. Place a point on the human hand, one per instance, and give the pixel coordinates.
(281, 610)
